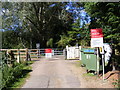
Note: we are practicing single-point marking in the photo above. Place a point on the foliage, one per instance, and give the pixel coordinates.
(79, 32)
(63, 41)
(76, 35)
(12, 25)
(50, 42)
(21, 81)
(11, 40)
(28, 23)
(106, 15)
(10, 72)
(33, 22)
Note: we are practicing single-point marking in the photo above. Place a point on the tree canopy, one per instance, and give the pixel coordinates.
(57, 24)
(40, 21)
(106, 15)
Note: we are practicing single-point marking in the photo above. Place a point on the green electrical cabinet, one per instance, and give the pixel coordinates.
(83, 57)
(89, 59)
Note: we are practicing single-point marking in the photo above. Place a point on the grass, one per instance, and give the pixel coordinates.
(21, 81)
(0, 78)
(88, 74)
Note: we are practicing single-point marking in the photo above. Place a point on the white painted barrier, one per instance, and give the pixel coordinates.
(48, 53)
(72, 52)
(79, 52)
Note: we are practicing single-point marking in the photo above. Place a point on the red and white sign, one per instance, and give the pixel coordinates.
(96, 33)
(48, 50)
(48, 53)
(96, 37)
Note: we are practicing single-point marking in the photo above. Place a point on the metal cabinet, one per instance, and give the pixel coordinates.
(89, 59)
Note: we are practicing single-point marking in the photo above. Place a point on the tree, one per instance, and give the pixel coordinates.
(77, 35)
(11, 25)
(35, 22)
(46, 20)
(106, 15)
(79, 32)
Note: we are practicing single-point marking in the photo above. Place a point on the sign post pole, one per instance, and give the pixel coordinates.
(97, 41)
(98, 62)
(38, 47)
(103, 63)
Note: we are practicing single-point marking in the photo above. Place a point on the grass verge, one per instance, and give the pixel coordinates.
(88, 74)
(25, 75)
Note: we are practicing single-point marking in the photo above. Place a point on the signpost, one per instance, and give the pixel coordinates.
(97, 41)
(38, 47)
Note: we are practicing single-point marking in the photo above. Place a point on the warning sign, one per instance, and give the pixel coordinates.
(96, 37)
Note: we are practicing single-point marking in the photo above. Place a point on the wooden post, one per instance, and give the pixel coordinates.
(29, 58)
(26, 54)
(10, 57)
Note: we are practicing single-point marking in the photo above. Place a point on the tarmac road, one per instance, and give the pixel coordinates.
(52, 73)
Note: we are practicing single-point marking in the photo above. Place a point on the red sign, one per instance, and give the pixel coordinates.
(48, 50)
(96, 33)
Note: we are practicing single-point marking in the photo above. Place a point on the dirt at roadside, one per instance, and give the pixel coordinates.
(89, 81)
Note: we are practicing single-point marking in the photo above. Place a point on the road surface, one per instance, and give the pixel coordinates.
(52, 73)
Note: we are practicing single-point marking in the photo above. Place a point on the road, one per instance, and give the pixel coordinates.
(52, 73)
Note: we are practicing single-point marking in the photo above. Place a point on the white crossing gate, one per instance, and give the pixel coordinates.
(72, 52)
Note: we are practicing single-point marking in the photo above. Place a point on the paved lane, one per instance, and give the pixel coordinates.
(52, 73)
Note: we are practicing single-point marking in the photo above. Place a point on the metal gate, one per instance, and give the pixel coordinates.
(55, 51)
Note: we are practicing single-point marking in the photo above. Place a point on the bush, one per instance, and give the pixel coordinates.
(9, 74)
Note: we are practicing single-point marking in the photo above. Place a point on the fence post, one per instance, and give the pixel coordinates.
(37, 53)
(7, 56)
(18, 56)
(26, 54)
(10, 57)
(29, 58)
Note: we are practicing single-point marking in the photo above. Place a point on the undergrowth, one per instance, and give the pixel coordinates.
(12, 75)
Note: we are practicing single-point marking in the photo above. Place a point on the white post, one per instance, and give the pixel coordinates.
(98, 62)
(18, 56)
(52, 52)
(80, 52)
(103, 62)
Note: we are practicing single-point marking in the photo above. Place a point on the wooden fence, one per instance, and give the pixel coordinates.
(22, 54)
(28, 54)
